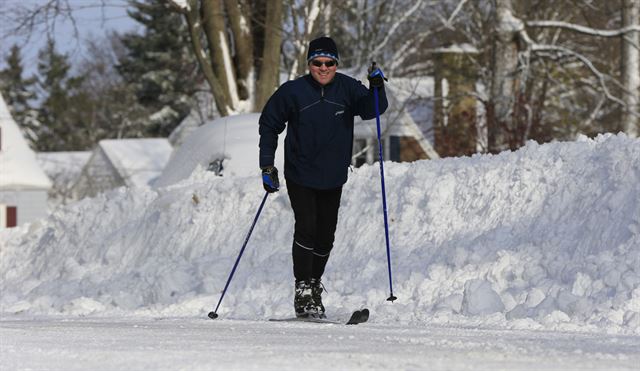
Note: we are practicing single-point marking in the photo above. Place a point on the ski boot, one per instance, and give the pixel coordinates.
(316, 296)
(303, 300)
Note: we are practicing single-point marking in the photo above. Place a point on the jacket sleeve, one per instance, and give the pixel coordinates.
(365, 102)
(272, 122)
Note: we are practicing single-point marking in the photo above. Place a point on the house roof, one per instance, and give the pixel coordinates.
(137, 161)
(63, 168)
(397, 119)
(18, 166)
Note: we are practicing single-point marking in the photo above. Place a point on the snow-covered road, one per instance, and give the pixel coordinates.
(54, 343)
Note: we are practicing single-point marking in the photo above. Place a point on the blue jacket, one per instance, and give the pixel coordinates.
(319, 119)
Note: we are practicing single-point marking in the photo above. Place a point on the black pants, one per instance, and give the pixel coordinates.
(316, 214)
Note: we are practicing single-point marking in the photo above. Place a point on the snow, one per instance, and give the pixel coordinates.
(138, 161)
(522, 260)
(64, 164)
(186, 127)
(233, 139)
(464, 48)
(479, 298)
(195, 344)
(63, 168)
(182, 4)
(18, 166)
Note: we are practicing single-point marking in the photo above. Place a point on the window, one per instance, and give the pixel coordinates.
(12, 216)
(394, 148)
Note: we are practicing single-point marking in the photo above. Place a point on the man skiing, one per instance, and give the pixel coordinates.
(317, 110)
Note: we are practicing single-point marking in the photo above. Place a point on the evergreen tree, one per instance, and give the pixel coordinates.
(65, 110)
(17, 93)
(159, 64)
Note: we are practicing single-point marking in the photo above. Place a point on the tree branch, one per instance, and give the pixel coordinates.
(599, 75)
(394, 27)
(584, 29)
(448, 22)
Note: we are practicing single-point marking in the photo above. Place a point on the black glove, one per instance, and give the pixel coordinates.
(375, 76)
(270, 180)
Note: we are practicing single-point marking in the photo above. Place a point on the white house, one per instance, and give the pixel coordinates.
(122, 163)
(23, 184)
(402, 138)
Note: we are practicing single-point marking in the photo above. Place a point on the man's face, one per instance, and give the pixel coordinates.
(321, 72)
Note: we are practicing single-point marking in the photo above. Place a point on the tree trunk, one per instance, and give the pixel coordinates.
(439, 125)
(239, 12)
(455, 130)
(220, 54)
(500, 120)
(193, 21)
(269, 70)
(631, 68)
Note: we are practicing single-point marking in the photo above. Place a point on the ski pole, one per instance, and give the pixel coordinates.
(391, 298)
(214, 314)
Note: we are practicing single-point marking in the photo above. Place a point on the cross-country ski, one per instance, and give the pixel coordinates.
(357, 317)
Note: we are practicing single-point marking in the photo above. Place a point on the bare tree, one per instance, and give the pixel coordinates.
(45, 16)
(505, 80)
(600, 61)
(549, 76)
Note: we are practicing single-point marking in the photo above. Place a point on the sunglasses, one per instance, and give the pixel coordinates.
(317, 63)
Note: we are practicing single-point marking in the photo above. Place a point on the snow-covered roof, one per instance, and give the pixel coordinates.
(63, 168)
(412, 87)
(233, 139)
(64, 164)
(18, 165)
(138, 161)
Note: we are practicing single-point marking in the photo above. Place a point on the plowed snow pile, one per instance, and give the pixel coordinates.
(547, 237)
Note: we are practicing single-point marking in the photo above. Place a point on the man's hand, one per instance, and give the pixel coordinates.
(270, 180)
(375, 76)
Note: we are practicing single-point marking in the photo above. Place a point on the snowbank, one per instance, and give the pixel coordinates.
(547, 237)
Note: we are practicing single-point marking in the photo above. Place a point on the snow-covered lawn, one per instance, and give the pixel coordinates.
(524, 260)
(199, 344)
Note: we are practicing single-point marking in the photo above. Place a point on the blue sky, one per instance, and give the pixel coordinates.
(92, 19)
